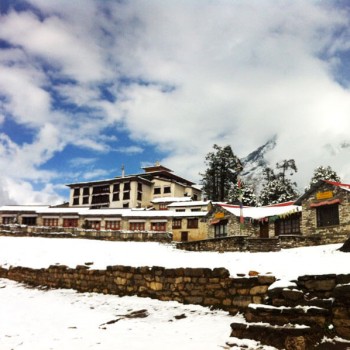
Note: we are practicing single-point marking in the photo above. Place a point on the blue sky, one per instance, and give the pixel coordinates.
(87, 86)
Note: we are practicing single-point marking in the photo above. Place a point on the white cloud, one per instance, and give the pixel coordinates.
(181, 76)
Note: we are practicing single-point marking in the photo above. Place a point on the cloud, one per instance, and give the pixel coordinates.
(178, 76)
(130, 150)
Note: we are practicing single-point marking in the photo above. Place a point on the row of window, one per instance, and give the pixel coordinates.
(158, 190)
(109, 225)
(105, 189)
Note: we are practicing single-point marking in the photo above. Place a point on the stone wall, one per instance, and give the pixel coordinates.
(308, 220)
(212, 288)
(254, 244)
(70, 232)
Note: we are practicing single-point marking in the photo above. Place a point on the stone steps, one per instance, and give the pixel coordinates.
(307, 315)
(281, 337)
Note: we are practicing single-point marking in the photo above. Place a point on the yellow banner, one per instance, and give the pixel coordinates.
(324, 195)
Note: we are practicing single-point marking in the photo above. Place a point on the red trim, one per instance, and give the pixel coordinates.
(338, 184)
(215, 221)
(333, 201)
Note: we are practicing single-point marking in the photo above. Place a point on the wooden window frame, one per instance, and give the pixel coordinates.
(137, 226)
(112, 225)
(192, 223)
(177, 223)
(327, 215)
(50, 222)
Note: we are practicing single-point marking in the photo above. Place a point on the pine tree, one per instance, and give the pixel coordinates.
(223, 167)
(278, 188)
(248, 195)
(323, 173)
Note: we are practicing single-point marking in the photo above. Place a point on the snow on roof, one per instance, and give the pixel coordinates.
(171, 199)
(263, 212)
(189, 204)
(23, 207)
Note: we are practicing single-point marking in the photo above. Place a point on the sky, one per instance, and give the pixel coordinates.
(88, 86)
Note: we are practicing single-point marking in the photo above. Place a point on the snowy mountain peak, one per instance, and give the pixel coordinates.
(255, 163)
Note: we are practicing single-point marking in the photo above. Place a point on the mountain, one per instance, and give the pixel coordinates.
(255, 163)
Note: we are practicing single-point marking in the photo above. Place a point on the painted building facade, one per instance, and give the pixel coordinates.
(132, 191)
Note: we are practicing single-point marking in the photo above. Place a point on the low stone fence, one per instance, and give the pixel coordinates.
(202, 286)
(255, 244)
(71, 232)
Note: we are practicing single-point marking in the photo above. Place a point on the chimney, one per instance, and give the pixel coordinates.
(123, 170)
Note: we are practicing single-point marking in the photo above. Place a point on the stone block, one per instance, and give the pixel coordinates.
(258, 290)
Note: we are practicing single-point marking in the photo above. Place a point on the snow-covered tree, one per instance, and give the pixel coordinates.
(246, 191)
(278, 188)
(223, 167)
(323, 173)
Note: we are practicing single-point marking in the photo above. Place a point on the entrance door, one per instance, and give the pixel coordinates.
(264, 230)
(184, 236)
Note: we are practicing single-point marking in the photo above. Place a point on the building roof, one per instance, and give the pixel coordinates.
(189, 204)
(171, 199)
(263, 212)
(157, 171)
(318, 184)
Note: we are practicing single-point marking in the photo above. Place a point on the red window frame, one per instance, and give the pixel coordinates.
(112, 225)
(50, 222)
(136, 226)
(158, 226)
(70, 222)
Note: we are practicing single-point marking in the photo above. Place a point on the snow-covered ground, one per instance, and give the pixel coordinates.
(286, 264)
(64, 319)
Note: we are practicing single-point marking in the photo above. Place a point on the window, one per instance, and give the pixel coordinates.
(76, 201)
(167, 189)
(192, 223)
(86, 191)
(139, 187)
(95, 225)
(85, 200)
(127, 186)
(177, 223)
(76, 192)
(116, 197)
(100, 199)
(288, 226)
(163, 206)
(139, 196)
(30, 221)
(70, 222)
(125, 205)
(220, 229)
(158, 226)
(156, 190)
(195, 197)
(126, 195)
(112, 225)
(116, 187)
(180, 210)
(137, 226)
(7, 220)
(50, 222)
(196, 209)
(101, 189)
(327, 215)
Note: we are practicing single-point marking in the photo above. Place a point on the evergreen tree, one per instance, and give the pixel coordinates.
(278, 188)
(248, 195)
(323, 173)
(223, 167)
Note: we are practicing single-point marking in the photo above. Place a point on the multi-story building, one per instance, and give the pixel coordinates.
(132, 191)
